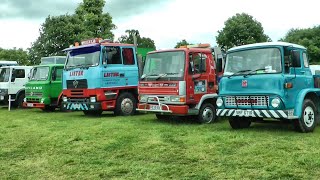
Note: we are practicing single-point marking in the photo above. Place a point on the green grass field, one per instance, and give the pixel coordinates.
(37, 145)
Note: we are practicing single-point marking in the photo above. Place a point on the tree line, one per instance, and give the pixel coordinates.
(89, 20)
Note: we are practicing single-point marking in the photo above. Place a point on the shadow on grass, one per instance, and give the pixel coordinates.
(176, 120)
(269, 127)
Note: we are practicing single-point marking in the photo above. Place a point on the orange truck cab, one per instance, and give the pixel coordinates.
(181, 82)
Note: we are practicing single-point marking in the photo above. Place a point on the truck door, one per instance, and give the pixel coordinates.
(297, 74)
(130, 65)
(56, 82)
(199, 82)
(17, 81)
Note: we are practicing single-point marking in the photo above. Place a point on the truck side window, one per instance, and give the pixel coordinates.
(114, 55)
(296, 61)
(58, 74)
(20, 73)
(195, 62)
(305, 60)
(127, 54)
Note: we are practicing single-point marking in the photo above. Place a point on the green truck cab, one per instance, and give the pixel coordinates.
(44, 89)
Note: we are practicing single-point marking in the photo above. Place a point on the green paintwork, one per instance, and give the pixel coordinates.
(47, 90)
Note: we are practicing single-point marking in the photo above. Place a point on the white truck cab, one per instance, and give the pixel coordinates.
(12, 82)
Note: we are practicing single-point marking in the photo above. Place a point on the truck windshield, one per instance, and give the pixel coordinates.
(53, 60)
(83, 57)
(4, 74)
(257, 61)
(39, 74)
(164, 65)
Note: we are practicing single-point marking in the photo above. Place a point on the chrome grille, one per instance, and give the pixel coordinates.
(247, 100)
(36, 94)
(161, 99)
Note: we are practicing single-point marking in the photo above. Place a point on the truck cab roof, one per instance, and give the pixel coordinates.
(17, 67)
(266, 44)
(50, 65)
(183, 49)
(96, 45)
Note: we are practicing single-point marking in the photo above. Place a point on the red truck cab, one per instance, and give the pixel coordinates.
(180, 82)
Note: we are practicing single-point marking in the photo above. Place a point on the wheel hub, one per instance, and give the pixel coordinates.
(127, 105)
(308, 116)
(207, 115)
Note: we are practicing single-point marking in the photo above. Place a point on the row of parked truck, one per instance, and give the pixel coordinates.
(252, 83)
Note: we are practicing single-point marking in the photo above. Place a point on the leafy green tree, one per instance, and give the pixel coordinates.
(142, 42)
(307, 37)
(239, 30)
(182, 43)
(14, 54)
(59, 32)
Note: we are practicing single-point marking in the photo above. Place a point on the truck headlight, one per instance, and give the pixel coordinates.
(24, 99)
(177, 99)
(275, 103)
(42, 100)
(93, 99)
(219, 102)
(143, 98)
(64, 99)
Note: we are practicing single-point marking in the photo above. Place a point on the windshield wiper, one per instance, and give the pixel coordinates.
(147, 75)
(161, 76)
(253, 71)
(239, 72)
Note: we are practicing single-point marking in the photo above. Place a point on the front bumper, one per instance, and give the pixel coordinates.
(164, 109)
(81, 106)
(275, 114)
(34, 105)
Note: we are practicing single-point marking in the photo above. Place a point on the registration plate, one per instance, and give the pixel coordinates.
(244, 112)
(155, 107)
(29, 105)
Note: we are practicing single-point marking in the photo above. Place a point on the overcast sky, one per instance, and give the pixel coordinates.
(164, 21)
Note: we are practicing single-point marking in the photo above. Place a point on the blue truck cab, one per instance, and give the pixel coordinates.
(269, 81)
(101, 76)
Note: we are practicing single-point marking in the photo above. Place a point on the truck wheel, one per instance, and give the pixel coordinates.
(307, 122)
(207, 114)
(19, 102)
(93, 113)
(239, 122)
(126, 104)
(49, 108)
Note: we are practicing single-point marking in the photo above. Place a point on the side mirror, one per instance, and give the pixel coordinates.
(14, 75)
(295, 58)
(219, 65)
(54, 76)
(104, 55)
(202, 63)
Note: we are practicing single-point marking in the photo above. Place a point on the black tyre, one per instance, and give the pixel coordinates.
(162, 117)
(49, 108)
(239, 122)
(93, 113)
(307, 122)
(126, 104)
(207, 113)
(19, 101)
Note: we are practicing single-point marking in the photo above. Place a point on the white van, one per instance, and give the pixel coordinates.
(12, 82)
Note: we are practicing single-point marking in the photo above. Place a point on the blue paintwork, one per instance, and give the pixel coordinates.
(272, 85)
(301, 96)
(96, 75)
(77, 106)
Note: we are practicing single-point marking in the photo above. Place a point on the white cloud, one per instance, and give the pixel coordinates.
(196, 21)
(18, 33)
